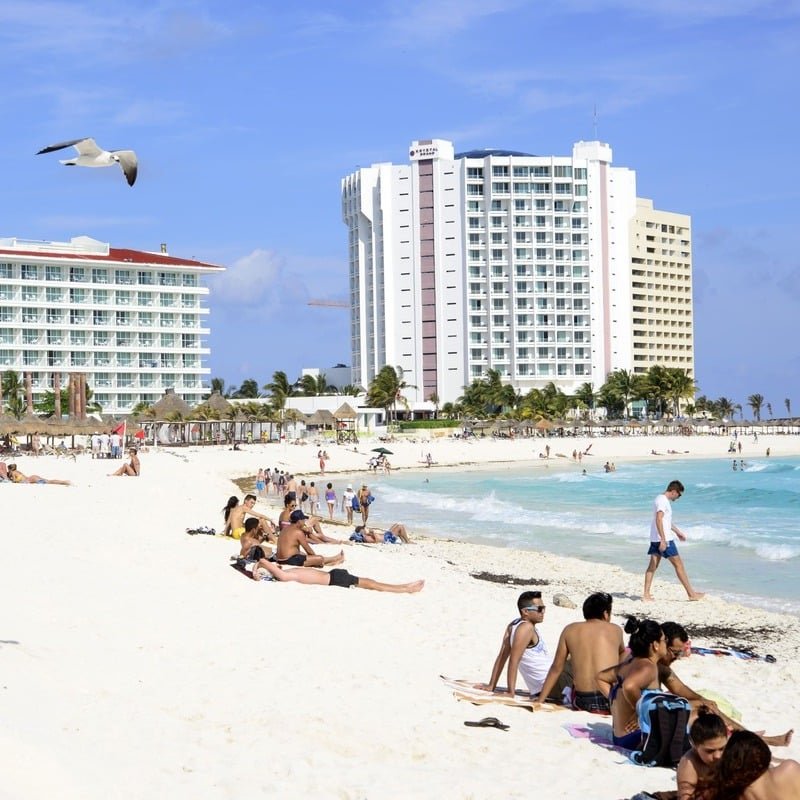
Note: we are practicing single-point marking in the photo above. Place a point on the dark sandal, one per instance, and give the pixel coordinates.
(488, 722)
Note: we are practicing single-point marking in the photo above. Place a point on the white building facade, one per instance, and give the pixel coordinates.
(134, 322)
(461, 263)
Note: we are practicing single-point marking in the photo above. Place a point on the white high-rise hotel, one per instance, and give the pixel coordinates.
(544, 268)
(133, 322)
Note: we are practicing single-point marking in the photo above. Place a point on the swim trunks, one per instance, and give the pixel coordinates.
(630, 741)
(389, 537)
(297, 560)
(670, 552)
(341, 577)
(237, 533)
(593, 702)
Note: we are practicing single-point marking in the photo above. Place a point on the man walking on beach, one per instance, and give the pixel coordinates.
(660, 547)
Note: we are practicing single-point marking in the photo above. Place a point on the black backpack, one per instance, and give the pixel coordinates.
(664, 719)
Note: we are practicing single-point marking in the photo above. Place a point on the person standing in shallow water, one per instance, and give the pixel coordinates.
(662, 545)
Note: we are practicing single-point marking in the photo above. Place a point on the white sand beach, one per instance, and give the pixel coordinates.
(136, 663)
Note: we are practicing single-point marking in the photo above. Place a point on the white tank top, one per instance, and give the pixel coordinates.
(535, 662)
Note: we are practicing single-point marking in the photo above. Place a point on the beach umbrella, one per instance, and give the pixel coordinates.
(544, 425)
(383, 451)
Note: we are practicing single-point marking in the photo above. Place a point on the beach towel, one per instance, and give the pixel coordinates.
(730, 651)
(464, 690)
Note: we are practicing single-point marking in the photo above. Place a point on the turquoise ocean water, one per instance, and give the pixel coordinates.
(743, 527)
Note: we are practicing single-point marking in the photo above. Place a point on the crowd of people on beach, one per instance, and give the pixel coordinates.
(655, 717)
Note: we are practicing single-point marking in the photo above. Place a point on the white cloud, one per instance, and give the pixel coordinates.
(250, 279)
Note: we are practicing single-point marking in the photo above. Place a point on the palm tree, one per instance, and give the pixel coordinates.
(448, 410)
(586, 395)
(11, 386)
(755, 401)
(218, 385)
(351, 390)
(386, 390)
(248, 389)
(681, 387)
(434, 398)
(788, 403)
(724, 407)
(47, 404)
(769, 410)
(625, 385)
(16, 406)
(314, 385)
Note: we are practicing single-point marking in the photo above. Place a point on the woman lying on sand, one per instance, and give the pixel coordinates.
(17, 477)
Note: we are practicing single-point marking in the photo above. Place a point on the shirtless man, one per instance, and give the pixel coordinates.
(590, 646)
(133, 468)
(336, 577)
(293, 539)
(15, 476)
(236, 520)
(252, 547)
(377, 536)
(676, 638)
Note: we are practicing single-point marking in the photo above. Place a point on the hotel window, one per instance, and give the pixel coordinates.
(168, 300)
(55, 337)
(499, 171)
(123, 298)
(101, 339)
(145, 299)
(77, 295)
(124, 359)
(123, 318)
(188, 301)
(475, 172)
(54, 295)
(563, 188)
(521, 172)
(100, 317)
(500, 187)
(146, 278)
(580, 173)
(167, 320)
(581, 190)
(497, 238)
(78, 338)
(6, 270)
(474, 189)
(29, 272)
(562, 171)
(168, 340)
(77, 274)
(99, 275)
(189, 279)
(146, 319)
(30, 337)
(541, 188)
(6, 314)
(30, 293)
(473, 206)
(55, 316)
(188, 321)
(52, 273)
(101, 296)
(78, 359)
(146, 339)
(521, 187)
(188, 340)
(30, 358)
(123, 276)
(125, 380)
(167, 279)
(124, 339)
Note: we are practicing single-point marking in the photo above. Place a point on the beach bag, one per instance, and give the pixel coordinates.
(663, 719)
(355, 505)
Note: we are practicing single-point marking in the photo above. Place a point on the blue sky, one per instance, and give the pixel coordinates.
(245, 117)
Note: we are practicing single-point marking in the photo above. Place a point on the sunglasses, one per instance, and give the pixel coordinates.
(537, 609)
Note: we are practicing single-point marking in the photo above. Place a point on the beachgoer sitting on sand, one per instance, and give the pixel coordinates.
(293, 539)
(589, 646)
(312, 529)
(632, 677)
(252, 541)
(336, 577)
(15, 476)
(524, 650)
(745, 772)
(234, 516)
(677, 639)
(698, 769)
(133, 468)
(377, 536)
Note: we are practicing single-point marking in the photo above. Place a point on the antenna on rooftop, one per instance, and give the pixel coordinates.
(594, 122)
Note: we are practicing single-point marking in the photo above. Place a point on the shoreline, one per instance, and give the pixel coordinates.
(144, 645)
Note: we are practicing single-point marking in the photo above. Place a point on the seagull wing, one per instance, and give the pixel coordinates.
(129, 164)
(85, 146)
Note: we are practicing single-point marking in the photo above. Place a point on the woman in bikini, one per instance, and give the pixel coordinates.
(698, 769)
(632, 677)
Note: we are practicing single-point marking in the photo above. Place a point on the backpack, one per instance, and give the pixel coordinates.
(663, 719)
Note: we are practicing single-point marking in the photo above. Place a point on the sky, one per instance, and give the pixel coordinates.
(245, 117)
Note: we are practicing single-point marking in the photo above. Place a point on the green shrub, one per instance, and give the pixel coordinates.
(421, 424)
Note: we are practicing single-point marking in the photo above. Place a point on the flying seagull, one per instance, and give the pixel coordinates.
(90, 155)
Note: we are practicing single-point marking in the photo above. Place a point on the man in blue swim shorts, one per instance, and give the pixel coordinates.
(662, 547)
